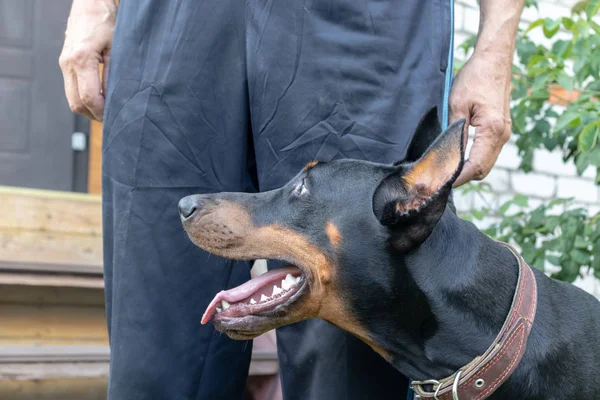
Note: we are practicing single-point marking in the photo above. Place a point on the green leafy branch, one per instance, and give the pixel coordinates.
(567, 238)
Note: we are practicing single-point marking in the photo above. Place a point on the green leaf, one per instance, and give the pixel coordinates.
(534, 25)
(580, 257)
(477, 214)
(539, 95)
(531, 3)
(550, 142)
(540, 82)
(539, 263)
(554, 260)
(594, 156)
(589, 136)
(468, 44)
(551, 26)
(491, 231)
(504, 207)
(592, 8)
(521, 200)
(581, 243)
(565, 81)
(528, 252)
(558, 202)
(582, 161)
(537, 217)
(595, 27)
(551, 223)
(568, 23)
(562, 48)
(568, 118)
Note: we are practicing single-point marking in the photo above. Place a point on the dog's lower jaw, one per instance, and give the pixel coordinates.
(252, 326)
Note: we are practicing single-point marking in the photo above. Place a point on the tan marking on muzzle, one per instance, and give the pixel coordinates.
(227, 231)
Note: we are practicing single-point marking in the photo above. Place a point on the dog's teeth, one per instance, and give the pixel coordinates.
(252, 301)
(297, 279)
(218, 310)
(290, 279)
(276, 290)
(225, 304)
(263, 297)
(285, 285)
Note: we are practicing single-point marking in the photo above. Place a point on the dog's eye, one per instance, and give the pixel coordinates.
(300, 189)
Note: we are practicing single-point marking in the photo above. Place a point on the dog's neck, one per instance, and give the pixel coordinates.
(457, 290)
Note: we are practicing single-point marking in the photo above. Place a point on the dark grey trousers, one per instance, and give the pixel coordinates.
(227, 95)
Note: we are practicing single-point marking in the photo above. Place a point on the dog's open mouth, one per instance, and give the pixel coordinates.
(264, 295)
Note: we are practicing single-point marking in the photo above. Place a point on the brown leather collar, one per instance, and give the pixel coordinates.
(482, 376)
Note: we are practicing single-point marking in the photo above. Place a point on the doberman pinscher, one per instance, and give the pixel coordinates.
(377, 250)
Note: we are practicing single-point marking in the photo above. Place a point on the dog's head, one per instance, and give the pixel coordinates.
(339, 225)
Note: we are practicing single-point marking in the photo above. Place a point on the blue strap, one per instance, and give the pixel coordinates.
(445, 113)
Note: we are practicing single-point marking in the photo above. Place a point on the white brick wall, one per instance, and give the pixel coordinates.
(550, 177)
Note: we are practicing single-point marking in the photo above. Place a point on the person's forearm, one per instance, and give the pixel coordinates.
(106, 8)
(498, 25)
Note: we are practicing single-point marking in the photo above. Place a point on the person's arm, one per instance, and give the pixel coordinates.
(88, 40)
(481, 90)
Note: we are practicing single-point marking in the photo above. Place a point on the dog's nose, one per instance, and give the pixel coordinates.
(187, 206)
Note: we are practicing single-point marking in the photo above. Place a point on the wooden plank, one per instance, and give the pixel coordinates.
(17, 294)
(53, 353)
(52, 324)
(50, 247)
(44, 230)
(35, 371)
(58, 370)
(49, 194)
(95, 158)
(21, 279)
(49, 211)
(93, 388)
(95, 153)
(52, 268)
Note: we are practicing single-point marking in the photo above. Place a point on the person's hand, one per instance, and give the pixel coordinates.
(88, 40)
(481, 95)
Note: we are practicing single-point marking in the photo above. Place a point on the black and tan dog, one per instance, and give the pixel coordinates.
(375, 250)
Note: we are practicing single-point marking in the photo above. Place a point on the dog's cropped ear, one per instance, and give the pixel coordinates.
(411, 200)
(427, 131)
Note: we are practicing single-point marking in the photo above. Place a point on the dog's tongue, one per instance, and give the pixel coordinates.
(247, 289)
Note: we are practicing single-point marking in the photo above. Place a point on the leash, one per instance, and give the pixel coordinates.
(481, 377)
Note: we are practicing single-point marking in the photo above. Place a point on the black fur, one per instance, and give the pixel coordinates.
(428, 129)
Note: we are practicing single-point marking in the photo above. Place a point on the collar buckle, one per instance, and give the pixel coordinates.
(436, 386)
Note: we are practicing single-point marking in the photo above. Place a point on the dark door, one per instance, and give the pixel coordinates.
(35, 121)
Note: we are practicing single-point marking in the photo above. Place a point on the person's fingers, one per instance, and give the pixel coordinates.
(88, 84)
(489, 139)
(478, 165)
(457, 110)
(72, 91)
